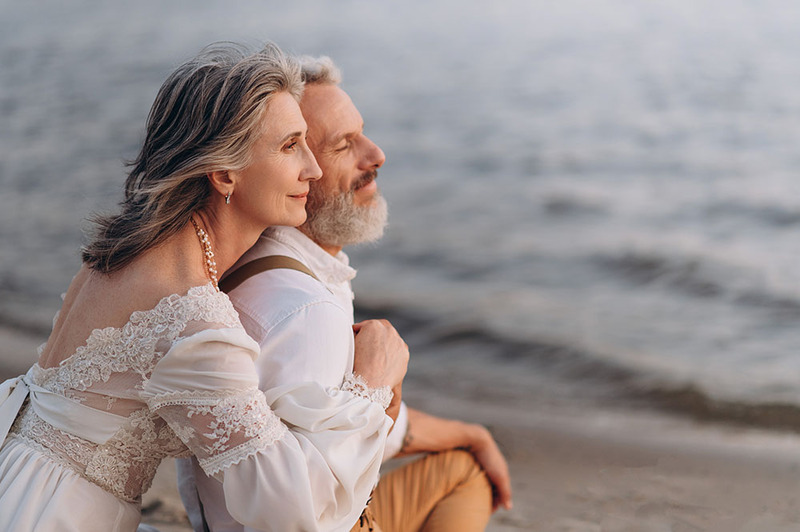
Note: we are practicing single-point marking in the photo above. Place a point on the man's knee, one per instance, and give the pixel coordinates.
(467, 504)
(446, 488)
(460, 460)
(462, 468)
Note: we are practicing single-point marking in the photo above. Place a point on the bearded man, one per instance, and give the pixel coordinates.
(293, 294)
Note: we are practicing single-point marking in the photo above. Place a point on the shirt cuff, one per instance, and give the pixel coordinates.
(395, 439)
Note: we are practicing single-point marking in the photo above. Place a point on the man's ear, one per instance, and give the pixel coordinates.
(222, 181)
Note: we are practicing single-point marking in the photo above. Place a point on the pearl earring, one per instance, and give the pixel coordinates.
(228, 198)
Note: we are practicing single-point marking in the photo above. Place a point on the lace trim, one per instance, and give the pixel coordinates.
(240, 416)
(127, 463)
(133, 346)
(356, 385)
(215, 464)
(191, 398)
(124, 466)
(37, 433)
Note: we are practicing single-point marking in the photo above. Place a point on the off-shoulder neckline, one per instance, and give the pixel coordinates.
(137, 316)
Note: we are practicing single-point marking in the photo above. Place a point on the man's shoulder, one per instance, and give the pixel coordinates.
(272, 296)
(273, 241)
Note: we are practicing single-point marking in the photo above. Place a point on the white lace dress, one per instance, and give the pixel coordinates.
(176, 380)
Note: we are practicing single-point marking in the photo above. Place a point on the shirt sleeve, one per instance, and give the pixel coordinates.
(274, 475)
(313, 343)
(394, 442)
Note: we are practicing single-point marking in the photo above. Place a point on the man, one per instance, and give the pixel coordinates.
(303, 322)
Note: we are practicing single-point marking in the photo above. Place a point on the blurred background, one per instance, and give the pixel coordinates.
(592, 202)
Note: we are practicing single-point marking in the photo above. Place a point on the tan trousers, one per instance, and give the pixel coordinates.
(443, 491)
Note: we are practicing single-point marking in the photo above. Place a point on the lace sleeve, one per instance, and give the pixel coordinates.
(307, 454)
(221, 429)
(205, 387)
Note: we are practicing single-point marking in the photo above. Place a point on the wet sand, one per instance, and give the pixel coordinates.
(626, 473)
(604, 470)
(581, 470)
(608, 473)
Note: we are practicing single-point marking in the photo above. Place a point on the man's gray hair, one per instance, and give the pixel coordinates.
(319, 70)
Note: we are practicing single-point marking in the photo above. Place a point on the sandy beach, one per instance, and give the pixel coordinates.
(633, 471)
(627, 473)
(616, 475)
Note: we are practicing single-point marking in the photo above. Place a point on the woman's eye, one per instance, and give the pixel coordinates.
(290, 146)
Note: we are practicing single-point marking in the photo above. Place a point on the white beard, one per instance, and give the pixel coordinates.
(338, 221)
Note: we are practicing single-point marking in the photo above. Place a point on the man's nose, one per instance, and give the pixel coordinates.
(373, 156)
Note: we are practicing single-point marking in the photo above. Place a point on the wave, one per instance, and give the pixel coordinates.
(769, 215)
(592, 376)
(696, 277)
(692, 401)
(570, 206)
(684, 274)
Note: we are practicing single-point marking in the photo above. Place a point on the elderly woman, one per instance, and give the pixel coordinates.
(147, 359)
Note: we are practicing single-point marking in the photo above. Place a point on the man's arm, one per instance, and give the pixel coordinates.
(427, 433)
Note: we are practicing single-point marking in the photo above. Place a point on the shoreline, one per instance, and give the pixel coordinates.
(575, 468)
(611, 472)
(633, 471)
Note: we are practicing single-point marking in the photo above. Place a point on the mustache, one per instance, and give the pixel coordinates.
(365, 179)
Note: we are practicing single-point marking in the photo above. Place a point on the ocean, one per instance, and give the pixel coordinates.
(597, 200)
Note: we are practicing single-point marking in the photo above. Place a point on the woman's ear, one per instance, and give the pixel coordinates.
(222, 182)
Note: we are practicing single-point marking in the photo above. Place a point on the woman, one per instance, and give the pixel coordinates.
(147, 359)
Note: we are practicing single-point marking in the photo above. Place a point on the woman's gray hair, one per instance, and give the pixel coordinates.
(205, 118)
(319, 70)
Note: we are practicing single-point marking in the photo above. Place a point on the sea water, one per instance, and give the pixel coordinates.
(605, 190)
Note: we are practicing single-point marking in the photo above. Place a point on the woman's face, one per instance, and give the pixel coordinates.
(272, 189)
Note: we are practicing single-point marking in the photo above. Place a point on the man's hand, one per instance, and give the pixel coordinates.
(493, 462)
(427, 433)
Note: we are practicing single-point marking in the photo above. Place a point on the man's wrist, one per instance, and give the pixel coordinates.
(478, 437)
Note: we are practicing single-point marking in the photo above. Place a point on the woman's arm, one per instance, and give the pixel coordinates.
(273, 476)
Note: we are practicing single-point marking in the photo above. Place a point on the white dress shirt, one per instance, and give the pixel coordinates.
(304, 329)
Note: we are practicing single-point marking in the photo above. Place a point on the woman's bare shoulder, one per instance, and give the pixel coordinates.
(96, 300)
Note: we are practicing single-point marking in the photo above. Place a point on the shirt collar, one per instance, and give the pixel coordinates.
(329, 269)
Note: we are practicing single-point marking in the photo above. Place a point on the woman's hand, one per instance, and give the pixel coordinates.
(381, 355)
